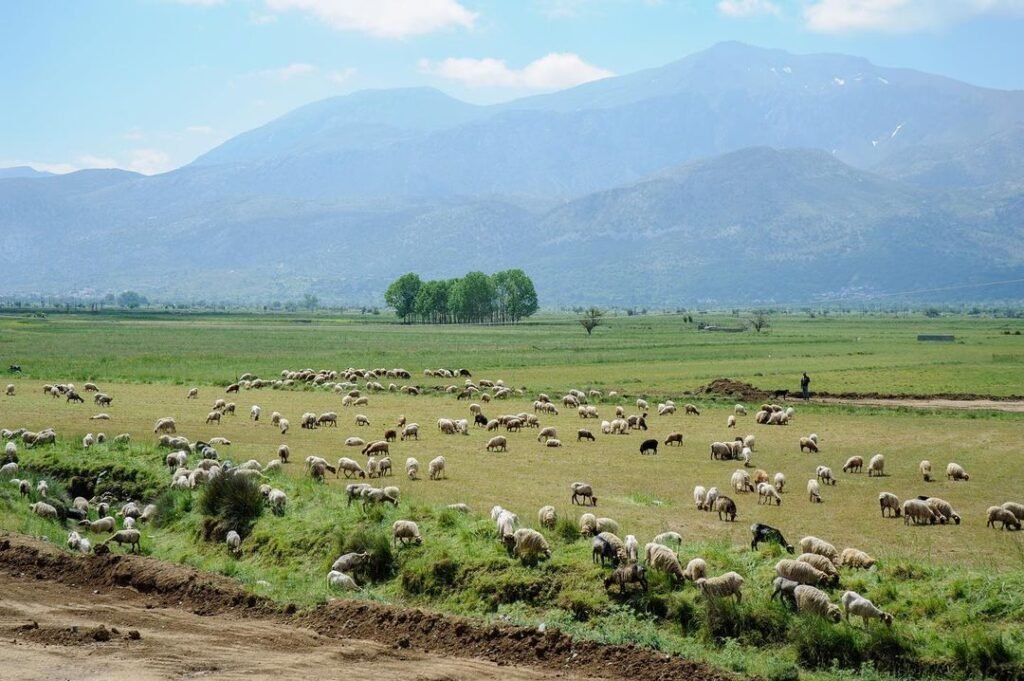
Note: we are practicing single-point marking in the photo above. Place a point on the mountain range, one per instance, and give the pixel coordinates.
(737, 175)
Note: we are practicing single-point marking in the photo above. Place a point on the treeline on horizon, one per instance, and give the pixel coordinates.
(500, 298)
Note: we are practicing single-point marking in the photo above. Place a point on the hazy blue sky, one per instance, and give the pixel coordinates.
(150, 84)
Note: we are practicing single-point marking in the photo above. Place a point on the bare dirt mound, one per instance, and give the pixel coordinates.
(736, 390)
(48, 579)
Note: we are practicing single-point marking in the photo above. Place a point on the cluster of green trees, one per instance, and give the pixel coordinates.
(501, 298)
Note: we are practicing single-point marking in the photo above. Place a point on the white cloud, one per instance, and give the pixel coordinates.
(261, 19)
(747, 8)
(383, 18)
(149, 161)
(342, 76)
(133, 135)
(835, 16)
(287, 72)
(90, 161)
(551, 72)
(199, 129)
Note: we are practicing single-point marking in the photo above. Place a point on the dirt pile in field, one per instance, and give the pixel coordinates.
(183, 588)
(736, 390)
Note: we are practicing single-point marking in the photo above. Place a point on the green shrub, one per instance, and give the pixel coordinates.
(567, 529)
(820, 644)
(171, 506)
(230, 502)
(982, 652)
(374, 541)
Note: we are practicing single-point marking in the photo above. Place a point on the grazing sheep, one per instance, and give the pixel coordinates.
(283, 425)
(283, 452)
(130, 537)
(691, 409)
(350, 561)
(854, 464)
(821, 563)
(608, 545)
(808, 444)
(876, 467)
(813, 491)
(1016, 509)
(649, 446)
(328, 418)
(44, 510)
(632, 546)
(812, 600)
(955, 471)
(547, 516)
(525, 542)
(627, 574)
(412, 468)
(405, 531)
(641, 404)
(723, 586)
(9, 391)
(824, 474)
(725, 505)
(802, 573)
(584, 491)
(944, 509)
(741, 482)
(700, 496)
(277, 500)
(165, 426)
(821, 547)
(506, 522)
(435, 469)
(889, 501)
(856, 559)
(674, 439)
(855, 604)
(663, 559)
(584, 434)
(695, 569)
(607, 525)
(213, 416)
(234, 541)
(730, 421)
(105, 524)
(920, 512)
(354, 442)
(925, 467)
(588, 524)
(410, 431)
(362, 420)
(666, 538)
(377, 447)
(339, 580)
(710, 498)
(766, 494)
(767, 533)
(740, 410)
(998, 514)
(350, 468)
(780, 482)
(553, 442)
(785, 589)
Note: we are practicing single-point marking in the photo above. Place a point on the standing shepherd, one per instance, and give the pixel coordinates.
(805, 386)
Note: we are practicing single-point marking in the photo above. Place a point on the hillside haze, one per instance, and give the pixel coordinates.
(735, 175)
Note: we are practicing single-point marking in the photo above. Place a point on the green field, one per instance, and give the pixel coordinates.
(957, 591)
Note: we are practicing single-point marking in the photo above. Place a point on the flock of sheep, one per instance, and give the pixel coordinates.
(802, 581)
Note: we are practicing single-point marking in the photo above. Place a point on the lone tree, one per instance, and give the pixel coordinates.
(760, 321)
(592, 318)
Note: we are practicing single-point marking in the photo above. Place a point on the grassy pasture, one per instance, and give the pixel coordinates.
(948, 586)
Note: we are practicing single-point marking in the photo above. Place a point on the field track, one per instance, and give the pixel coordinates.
(1016, 406)
(63, 617)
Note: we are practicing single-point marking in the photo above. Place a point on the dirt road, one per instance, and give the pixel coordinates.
(926, 403)
(121, 618)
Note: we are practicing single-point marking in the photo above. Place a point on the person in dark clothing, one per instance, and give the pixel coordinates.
(805, 386)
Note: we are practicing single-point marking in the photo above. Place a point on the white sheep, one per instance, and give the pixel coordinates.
(588, 524)
(925, 467)
(857, 559)
(584, 491)
(855, 604)
(801, 572)
(730, 422)
(350, 468)
(234, 541)
(553, 442)
(435, 469)
(821, 547)
(888, 501)
(526, 542)
(855, 464)
(766, 494)
(812, 600)
(741, 482)
(547, 516)
(944, 509)
(780, 481)
(955, 471)
(824, 474)
(412, 468)
(740, 410)
(277, 500)
(666, 538)
(699, 496)
(723, 586)
(821, 563)
(405, 531)
(339, 580)
(920, 512)
(813, 491)
(998, 514)
(876, 466)
(498, 443)
(632, 548)
(695, 569)
(663, 559)
(283, 425)
(1016, 509)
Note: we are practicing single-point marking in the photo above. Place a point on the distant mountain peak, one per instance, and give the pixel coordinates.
(22, 172)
